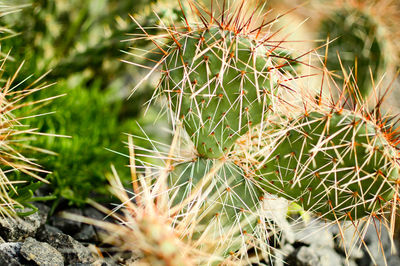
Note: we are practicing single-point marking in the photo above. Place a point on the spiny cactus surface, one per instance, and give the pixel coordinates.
(220, 83)
(359, 44)
(226, 202)
(338, 164)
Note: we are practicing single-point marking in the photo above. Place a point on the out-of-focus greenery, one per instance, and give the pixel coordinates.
(88, 116)
(81, 42)
(68, 36)
(91, 117)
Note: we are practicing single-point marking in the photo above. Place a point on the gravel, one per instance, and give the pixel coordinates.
(17, 229)
(32, 241)
(41, 253)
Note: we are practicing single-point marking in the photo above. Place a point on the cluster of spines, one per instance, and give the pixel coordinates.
(333, 162)
(222, 77)
(15, 145)
(191, 89)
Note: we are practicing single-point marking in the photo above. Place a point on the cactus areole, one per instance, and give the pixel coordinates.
(220, 83)
(338, 165)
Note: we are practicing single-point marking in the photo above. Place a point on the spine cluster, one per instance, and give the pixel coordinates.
(224, 81)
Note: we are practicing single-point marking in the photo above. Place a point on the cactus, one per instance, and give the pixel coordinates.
(364, 42)
(221, 77)
(220, 83)
(339, 164)
(17, 168)
(193, 221)
(356, 40)
(227, 203)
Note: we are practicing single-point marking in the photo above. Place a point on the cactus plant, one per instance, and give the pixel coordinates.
(187, 220)
(220, 83)
(340, 164)
(18, 170)
(358, 42)
(221, 77)
(362, 35)
(227, 202)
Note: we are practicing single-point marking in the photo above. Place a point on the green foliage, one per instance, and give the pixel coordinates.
(338, 165)
(357, 41)
(24, 195)
(91, 119)
(71, 35)
(81, 40)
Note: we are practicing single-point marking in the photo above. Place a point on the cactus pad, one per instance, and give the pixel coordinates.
(358, 40)
(338, 165)
(222, 200)
(221, 83)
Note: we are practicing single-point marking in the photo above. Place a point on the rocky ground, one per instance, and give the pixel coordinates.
(42, 240)
(323, 245)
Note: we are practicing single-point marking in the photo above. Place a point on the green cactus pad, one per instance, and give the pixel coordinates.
(338, 165)
(355, 36)
(221, 199)
(220, 84)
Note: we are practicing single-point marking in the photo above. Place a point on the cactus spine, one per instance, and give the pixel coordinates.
(227, 203)
(339, 164)
(221, 80)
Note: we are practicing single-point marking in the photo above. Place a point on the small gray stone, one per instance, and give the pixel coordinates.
(86, 234)
(316, 236)
(10, 254)
(43, 231)
(307, 257)
(2, 240)
(41, 253)
(17, 229)
(328, 257)
(348, 262)
(282, 253)
(393, 261)
(43, 212)
(348, 243)
(72, 250)
(93, 213)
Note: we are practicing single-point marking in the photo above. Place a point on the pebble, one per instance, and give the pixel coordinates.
(306, 256)
(68, 226)
(72, 250)
(18, 228)
(10, 254)
(41, 253)
(315, 236)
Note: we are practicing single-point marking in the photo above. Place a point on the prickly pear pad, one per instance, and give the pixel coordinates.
(222, 200)
(336, 165)
(220, 84)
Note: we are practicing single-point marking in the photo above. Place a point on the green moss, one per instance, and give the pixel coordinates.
(88, 116)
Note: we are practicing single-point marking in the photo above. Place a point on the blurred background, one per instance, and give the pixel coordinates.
(82, 46)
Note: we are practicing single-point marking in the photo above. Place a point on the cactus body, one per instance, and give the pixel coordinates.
(223, 201)
(219, 83)
(358, 40)
(338, 165)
